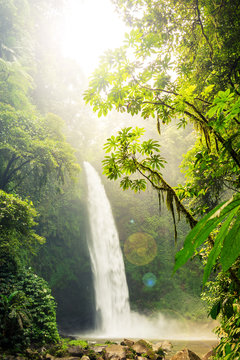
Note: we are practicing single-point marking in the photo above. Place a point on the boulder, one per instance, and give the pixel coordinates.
(152, 355)
(49, 357)
(164, 345)
(98, 349)
(208, 355)
(141, 347)
(127, 342)
(85, 357)
(115, 352)
(68, 358)
(185, 354)
(75, 351)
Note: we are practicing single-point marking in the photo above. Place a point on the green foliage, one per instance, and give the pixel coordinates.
(42, 309)
(27, 311)
(81, 343)
(229, 346)
(34, 147)
(18, 239)
(200, 86)
(37, 163)
(130, 153)
(14, 314)
(223, 299)
(130, 157)
(226, 242)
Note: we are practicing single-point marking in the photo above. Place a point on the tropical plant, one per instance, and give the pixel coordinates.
(180, 62)
(27, 311)
(14, 315)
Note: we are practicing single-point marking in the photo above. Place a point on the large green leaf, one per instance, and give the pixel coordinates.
(231, 246)
(195, 238)
(200, 233)
(212, 257)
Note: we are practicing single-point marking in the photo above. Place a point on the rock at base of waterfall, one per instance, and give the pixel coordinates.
(185, 354)
(67, 358)
(164, 345)
(50, 357)
(141, 358)
(99, 348)
(127, 342)
(115, 352)
(85, 357)
(141, 347)
(209, 355)
(75, 351)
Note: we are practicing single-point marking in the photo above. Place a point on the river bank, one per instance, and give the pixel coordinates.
(126, 349)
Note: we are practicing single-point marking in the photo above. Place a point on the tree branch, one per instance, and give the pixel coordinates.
(204, 121)
(168, 188)
(5, 174)
(166, 91)
(15, 170)
(203, 32)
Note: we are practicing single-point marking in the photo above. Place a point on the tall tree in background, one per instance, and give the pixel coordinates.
(181, 62)
(35, 163)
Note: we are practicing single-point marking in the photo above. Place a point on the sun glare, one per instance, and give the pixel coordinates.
(91, 27)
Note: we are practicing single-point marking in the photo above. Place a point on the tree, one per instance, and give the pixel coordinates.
(145, 84)
(32, 147)
(14, 315)
(132, 157)
(180, 62)
(24, 296)
(18, 238)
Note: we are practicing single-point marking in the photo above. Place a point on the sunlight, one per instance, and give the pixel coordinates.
(91, 27)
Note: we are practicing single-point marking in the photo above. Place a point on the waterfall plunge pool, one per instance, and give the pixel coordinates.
(114, 319)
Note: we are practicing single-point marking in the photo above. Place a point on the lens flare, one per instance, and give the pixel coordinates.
(140, 248)
(149, 279)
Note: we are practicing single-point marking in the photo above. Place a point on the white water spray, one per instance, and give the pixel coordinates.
(114, 318)
(111, 290)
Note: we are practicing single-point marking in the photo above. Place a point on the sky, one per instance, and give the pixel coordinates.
(90, 28)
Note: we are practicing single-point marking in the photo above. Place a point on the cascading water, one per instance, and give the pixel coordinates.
(111, 290)
(114, 318)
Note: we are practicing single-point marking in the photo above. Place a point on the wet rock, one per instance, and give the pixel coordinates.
(127, 342)
(185, 354)
(75, 351)
(68, 358)
(166, 345)
(49, 357)
(208, 355)
(141, 347)
(98, 349)
(33, 354)
(115, 352)
(85, 357)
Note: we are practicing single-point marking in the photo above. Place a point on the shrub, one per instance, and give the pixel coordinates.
(27, 311)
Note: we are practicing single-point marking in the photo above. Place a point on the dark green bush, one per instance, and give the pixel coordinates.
(27, 311)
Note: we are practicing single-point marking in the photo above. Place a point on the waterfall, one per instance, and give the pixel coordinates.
(114, 318)
(111, 290)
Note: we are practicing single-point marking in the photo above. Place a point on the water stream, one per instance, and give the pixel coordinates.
(113, 316)
(111, 290)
